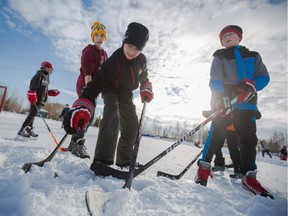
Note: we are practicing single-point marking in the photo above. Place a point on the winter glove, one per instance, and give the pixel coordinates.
(222, 102)
(77, 118)
(246, 90)
(53, 92)
(146, 92)
(32, 96)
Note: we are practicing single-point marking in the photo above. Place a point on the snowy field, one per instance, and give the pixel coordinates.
(39, 192)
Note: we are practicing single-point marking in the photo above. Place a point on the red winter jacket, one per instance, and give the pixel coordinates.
(91, 61)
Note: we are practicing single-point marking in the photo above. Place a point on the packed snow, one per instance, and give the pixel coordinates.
(58, 188)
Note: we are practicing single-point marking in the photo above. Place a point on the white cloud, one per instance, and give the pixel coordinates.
(183, 37)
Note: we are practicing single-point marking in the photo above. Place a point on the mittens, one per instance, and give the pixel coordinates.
(246, 91)
(146, 92)
(53, 92)
(32, 96)
(77, 118)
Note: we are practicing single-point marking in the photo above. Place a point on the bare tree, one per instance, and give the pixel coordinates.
(277, 141)
(12, 103)
(54, 110)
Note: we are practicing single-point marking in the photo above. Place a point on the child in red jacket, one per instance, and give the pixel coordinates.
(92, 59)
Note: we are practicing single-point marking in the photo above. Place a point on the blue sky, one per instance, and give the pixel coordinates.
(183, 37)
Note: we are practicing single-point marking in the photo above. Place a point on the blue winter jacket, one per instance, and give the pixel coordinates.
(230, 66)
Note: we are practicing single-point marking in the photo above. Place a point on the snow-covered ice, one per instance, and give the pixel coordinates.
(58, 188)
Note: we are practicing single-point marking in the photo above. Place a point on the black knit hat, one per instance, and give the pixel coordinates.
(137, 35)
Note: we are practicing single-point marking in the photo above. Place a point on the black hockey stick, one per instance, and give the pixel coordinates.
(130, 177)
(177, 177)
(26, 167)
(104, 170)
(178, 142)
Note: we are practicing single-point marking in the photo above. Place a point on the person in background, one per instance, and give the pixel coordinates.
(265, 149)
(92, 59)
(283, 153)
(119, 76)
(235, 71)
(37, 95)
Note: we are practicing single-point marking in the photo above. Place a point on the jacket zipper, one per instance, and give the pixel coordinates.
(132, 75)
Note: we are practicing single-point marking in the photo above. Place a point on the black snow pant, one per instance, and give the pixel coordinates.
(219, 159)
(245, 125)
(31, 116)
(234, 149)
(116, 116)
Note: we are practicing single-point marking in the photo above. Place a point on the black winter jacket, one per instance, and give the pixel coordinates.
(39, 83)
(118, 75)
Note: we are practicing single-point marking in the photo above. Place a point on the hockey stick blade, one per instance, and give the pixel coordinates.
(177, 177)
(167, 175)
(104, 170)
(95, 201)
(26, 167)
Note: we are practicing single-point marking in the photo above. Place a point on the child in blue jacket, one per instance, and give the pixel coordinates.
(235, 71)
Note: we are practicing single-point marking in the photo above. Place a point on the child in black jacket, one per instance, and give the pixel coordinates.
(37, 95)
(118, 77)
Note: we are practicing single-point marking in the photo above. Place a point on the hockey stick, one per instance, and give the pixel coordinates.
(61, 149)
(104, 170)
(178, 142)
(129, 180)
(26, 167)
(177, 177)
(107, 170)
